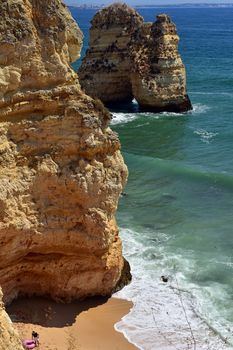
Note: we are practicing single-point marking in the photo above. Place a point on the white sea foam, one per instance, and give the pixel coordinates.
(205, 136)
(199, 108)
(165, 315)
(122, 118)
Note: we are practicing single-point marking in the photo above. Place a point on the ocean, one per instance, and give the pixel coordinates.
(177, 218)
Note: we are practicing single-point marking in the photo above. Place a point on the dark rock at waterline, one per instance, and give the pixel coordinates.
(164, 279)
(126, 277)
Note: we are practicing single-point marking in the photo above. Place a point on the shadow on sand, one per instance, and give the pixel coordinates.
(48, 313)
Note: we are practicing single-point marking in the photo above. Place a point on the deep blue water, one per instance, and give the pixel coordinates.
(180, 189)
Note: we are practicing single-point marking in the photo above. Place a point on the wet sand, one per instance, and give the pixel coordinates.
(87, 325)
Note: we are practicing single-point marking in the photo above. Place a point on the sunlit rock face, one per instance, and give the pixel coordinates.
(61, 170)
(105, 71)
(128, 59)
(158, 77)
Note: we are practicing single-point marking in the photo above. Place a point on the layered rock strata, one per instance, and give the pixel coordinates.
(105, 72)
(61, 170)
(148, 60)
(158, 75)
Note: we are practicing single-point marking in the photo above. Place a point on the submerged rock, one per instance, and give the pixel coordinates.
(129, 58)
(61, 170)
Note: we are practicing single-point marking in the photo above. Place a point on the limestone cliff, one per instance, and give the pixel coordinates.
(61, 170)
(158, 76)
(106, 69)
(148, 60)
(9, 339)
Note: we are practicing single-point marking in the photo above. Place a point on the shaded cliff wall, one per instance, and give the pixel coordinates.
(146, 65)
(9, 338)
(61, 170)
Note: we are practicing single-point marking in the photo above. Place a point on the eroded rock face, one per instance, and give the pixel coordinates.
(158, 77)
(145, 65)
(61, 170)
(105, 71)
(9, 338)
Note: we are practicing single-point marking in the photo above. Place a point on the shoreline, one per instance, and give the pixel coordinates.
(172, 323)
(85, 325)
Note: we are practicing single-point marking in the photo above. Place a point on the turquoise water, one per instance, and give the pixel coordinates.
(177, 217)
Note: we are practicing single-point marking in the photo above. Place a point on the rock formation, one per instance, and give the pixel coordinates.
(105, 72)
(146, 65)
(9, 339)
(61, 170)
(158, 77)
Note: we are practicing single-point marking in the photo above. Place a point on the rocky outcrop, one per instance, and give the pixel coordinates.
(158, 77)
(148, 60)
(9, 338)
(105, 71)
(61, 170)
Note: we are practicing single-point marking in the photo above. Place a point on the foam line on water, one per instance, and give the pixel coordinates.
(122, 118)
(158, 320)
(198, 108)
(205, 136)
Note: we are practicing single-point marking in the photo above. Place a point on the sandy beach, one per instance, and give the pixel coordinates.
(86, 325)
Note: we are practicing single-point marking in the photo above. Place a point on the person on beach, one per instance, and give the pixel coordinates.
(35, 337)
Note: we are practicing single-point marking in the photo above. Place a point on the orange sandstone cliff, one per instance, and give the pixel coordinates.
(129, 58)
(61, 170)
(158, 74)
(106, 69)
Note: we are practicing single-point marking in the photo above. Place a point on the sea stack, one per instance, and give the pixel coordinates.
(136, 60)
(105, 71)
(158, 77)
(61, 170)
